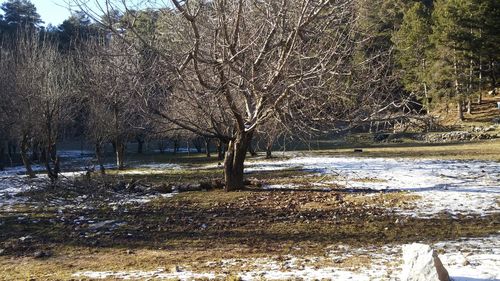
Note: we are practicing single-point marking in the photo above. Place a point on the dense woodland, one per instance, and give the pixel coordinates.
(224, 73)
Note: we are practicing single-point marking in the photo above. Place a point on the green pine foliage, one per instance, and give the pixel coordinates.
(448, 50)
(20, 13)
(412, 43)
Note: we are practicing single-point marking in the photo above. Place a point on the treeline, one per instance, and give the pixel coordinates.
(448, 50)
(445, 51)
(231, 72)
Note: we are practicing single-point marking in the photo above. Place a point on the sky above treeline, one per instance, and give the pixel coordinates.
(52, 11)
(56, 11)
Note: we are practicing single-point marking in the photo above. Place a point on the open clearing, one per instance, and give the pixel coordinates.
(308, 215)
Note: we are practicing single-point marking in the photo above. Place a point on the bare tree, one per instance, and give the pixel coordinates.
(16, 105)
(235, 64)
(109, 80)
(270, 132)
(6, 89)
(40, 98)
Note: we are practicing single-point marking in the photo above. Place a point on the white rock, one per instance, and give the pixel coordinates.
(421, 263)
(101, 224)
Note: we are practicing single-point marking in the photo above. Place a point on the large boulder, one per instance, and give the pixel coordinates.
(421, 263)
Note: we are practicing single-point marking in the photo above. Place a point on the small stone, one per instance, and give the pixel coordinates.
(175, 269)
(24, 238)
(338, 260)
(42, 254)
(101, 224)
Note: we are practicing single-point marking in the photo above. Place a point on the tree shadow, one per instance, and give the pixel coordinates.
(261, 220)
(457, 278)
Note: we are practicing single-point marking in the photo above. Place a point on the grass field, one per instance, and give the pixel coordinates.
(194, 230)
(485, 150)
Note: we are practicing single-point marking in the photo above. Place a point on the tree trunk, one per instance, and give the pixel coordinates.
(427, 102)
(11, 150)
(207, 147)
(455, 71)
(140, 144)
(199, 148)
(161, 146)
(471, 74)
(25, 157)
(251, 150)
(98, 155)
(176, 146)
(270, 142)
(493, 75)
(35, 152)
(120, 154)
(469, 106)
(11, 147)
(460, 111)
(51, 158)
(198, 143)
(234, 161)
(220, 150)
(2, 157)
(480, 74)
(269, 151)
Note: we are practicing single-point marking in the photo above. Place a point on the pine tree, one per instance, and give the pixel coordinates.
(3, 26)
(488, 20)
(449, 69)
(412, 44)
(21, 13)
(481, 41)
(75, 30)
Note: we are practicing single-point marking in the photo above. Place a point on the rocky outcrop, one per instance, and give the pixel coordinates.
(421, 263)
(475, 134)
(457, 136)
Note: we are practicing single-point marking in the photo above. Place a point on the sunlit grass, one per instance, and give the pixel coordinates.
(486, 150)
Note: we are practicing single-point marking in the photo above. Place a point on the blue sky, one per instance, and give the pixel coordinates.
(52, 11)
(56, 11)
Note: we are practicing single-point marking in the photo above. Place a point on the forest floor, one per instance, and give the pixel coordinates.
(329, 214)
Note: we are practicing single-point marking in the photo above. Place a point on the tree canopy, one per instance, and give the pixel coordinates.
(20, 13)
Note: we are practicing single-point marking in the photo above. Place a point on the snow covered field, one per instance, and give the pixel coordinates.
(451, 186)
(476, 259)
(13, 181)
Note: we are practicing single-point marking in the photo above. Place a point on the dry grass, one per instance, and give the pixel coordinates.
(194, 228)
(487, 150)
(481, 114)
(484, 112)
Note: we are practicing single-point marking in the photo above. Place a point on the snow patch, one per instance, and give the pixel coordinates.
(150, 169)
(159, 166)
(141, 199)
(472, 259)
(482, 257)
(137, 274)
(450, 186)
